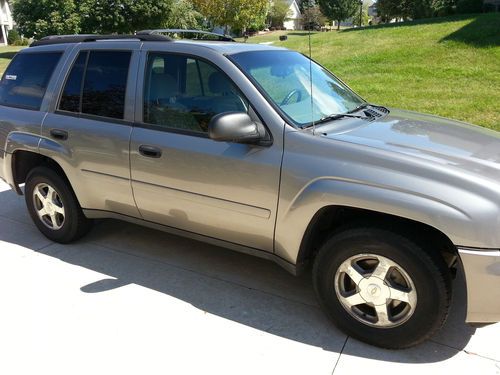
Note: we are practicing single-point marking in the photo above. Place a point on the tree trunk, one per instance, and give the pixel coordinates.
(338, 25)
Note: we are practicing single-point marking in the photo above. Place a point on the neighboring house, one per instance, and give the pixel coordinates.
(372, 10)
(292, 22)
(493, 5)
(6, 21)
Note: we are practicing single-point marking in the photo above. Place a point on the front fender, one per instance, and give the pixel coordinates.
(460, 224)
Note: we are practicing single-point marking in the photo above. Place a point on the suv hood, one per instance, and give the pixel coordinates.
(459, 145)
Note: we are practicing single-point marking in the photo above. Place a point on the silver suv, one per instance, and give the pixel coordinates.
(263, 151)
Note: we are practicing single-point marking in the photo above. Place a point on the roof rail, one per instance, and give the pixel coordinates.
(196, 34)
(81, 38)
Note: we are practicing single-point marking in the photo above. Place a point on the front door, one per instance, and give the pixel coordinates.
(183, 179)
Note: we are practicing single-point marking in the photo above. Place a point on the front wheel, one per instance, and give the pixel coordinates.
(53, 206)
(382, 288)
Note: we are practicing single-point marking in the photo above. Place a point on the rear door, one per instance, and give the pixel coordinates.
(184, 179)
(88, 131)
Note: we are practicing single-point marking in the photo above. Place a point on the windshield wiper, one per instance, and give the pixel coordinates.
(336, 116)
(364, 105)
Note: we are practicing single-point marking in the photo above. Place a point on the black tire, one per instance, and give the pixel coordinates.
(428, 271)
(75, 224)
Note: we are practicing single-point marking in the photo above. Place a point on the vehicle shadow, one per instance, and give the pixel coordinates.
(234, 286)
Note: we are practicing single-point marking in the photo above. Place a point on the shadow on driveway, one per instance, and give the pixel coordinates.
(234, 286)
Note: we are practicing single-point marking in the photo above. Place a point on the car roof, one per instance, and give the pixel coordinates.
(222, 47)
(228, 48)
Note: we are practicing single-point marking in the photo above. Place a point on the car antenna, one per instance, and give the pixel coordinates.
(310, 74)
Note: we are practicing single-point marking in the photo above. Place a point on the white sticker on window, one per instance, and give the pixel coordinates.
(11, 77)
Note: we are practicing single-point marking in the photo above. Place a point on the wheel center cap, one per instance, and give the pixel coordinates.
(49, 207)
(374, 290)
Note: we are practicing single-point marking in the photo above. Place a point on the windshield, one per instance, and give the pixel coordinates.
(284, 76)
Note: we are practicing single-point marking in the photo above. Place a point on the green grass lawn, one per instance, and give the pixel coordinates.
(6, 54)
(448, 67)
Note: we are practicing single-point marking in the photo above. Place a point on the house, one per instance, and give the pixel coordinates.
(292, 22)
(6, 21)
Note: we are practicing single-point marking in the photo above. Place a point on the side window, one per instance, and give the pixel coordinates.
(25, 80)
(72, 93)
(97, 84)
(185, 93)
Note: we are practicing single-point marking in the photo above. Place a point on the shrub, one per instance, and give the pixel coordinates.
(22, 42)
(13, 36)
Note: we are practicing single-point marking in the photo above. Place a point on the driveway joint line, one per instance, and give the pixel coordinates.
(340, 354)
(464, 350)
(43, 247)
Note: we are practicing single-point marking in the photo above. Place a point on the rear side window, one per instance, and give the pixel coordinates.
(72, 94)
(97, 84)
(25, 81)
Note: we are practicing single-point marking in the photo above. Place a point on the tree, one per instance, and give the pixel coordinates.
(442, 8)
(469, 6)
(250, 13)
(39, 18)
(182, 15)
(239, 14)
(124, 16)
(339, 10)
(313, 18)
(279, 12)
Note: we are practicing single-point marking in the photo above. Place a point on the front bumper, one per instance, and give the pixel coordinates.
(482, 275)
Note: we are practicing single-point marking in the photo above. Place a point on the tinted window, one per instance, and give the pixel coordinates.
(26, 79)
(70, 99)
(105, 83)
(185, 93)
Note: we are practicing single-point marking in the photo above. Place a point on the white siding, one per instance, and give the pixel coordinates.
(293, 22)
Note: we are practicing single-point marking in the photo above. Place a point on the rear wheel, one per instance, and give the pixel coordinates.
(382, 288)
(53, 206)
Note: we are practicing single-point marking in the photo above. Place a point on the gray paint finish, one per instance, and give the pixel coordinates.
(257, 199)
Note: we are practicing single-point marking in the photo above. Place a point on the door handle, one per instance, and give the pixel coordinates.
(149, 151)
(59, 134)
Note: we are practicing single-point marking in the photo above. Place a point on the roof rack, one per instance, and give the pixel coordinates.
(81, 38)
(195, 34)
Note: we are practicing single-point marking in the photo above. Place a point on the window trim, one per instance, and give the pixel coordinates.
(162, 128)
(91, 116)
(147, 125)
(87, 116)
(20, 106)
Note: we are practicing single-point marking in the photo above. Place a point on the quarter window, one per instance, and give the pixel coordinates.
(25, 80)
(185, 93)
(97, 84)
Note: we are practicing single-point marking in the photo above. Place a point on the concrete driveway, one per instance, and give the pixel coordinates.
(129, 300)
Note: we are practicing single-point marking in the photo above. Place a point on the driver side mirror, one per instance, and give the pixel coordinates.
(237, 127)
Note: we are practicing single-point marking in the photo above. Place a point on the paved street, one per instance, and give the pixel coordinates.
(130, 300)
